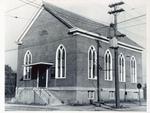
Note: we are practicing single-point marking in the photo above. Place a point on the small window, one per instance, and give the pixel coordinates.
(91, 94)
(111, 95)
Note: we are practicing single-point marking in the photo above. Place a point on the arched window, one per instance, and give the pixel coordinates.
(60, 68)
(121, 68)
(92, 63)
(133, 69)
(27, 70)
(108, 65)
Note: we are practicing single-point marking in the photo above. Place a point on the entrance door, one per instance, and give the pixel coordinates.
(42, 78)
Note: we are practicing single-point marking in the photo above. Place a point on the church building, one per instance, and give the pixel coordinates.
(57, 61)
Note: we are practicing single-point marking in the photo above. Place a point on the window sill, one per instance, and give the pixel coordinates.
(133, 82)
(123, 81)
(61, 78)
(26, 79)
(91, 98)
(92, 78)
(109, 80)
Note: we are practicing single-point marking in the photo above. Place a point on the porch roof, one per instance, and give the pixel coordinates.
(39, 64)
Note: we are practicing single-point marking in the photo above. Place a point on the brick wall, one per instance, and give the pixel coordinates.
(83, 45)
(43, 39)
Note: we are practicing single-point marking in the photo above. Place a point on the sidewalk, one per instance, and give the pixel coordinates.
(128, 106)
(105, 107)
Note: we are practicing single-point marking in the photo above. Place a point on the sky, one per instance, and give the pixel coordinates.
(19, 12)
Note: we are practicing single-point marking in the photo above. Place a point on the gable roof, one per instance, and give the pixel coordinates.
(85, 23)
(72, 20)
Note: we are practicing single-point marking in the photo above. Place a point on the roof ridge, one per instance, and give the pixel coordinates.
(82, 17)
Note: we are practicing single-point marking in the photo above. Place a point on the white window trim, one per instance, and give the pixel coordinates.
(111, 77)
(111, 95)
(92, 64)
(56, 62)
(133, 77)
(24, 69)
(91, 95)
(124, 69)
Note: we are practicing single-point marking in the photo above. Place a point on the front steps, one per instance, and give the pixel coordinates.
(40, 96)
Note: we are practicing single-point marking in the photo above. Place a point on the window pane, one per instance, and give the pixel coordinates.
(106, 69)
(63, 68)
(90, 68)
(29, 59)
(120, 61)
(109, 59)
(94, 56)
(59, 53)
(106, 58)
(63, 54)
(58, 71)
(90, 55)
(93, 70)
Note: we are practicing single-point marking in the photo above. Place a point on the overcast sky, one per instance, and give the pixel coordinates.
(18, 14)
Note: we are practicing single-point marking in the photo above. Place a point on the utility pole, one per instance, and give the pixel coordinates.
(114, 42)
(98, 93)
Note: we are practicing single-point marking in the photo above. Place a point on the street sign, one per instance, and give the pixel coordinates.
(139, 86)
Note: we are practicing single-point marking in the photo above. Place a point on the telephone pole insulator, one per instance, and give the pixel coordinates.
(116, 11)
(116, 4)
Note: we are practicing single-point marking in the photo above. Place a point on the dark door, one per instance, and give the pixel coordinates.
(42, 78)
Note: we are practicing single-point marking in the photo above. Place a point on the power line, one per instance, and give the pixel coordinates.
(29, 22)
(16, 17)
(133, 25)
(31, 4)
(132, 18)
(19, 6)
(26, 3)
(123, 21)
(129, 6)
(15, 8)
(9, 50)
(135, 34)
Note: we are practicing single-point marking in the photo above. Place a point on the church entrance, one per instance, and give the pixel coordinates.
(40, 73)
(42, 77)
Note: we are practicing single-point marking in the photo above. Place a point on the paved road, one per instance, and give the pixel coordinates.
(127, 107)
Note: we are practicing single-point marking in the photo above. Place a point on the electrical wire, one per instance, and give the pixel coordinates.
(126, 21)
(31, 4)
(133, 25)
(132, 18)
(10, 10)
(15, 8)
(37, 6)
(129, 32)
(129, 6)
(17, 17)
(9, 50)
